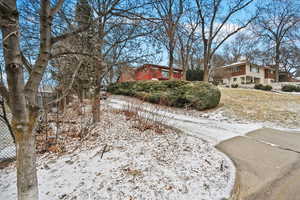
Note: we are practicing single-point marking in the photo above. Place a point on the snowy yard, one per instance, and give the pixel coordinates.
(120, 161)
(134, 165)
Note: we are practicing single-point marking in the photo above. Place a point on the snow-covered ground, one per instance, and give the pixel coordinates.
(136, 165)
(212, 127)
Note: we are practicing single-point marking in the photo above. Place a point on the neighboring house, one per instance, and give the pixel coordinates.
(127, 74)
(148, 72)
(243, 73)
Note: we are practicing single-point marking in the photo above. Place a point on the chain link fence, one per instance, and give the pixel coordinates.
(7, 145)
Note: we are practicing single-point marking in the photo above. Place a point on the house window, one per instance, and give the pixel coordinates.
(254, 69)
(243, 80)
(235, 69)
(165, 73)
(234, 79)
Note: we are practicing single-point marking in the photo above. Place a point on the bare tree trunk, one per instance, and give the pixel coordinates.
(205, 65)
(96, 97)
(205, 60)
(96, 105)
(171, 61)
(184, 73)
(27, 183)
(22, 123)
(205, 72)
(277, 61)
(183, 61)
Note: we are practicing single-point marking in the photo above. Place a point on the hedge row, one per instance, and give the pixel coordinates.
(177, 93)
(290, 88)
(263, 87)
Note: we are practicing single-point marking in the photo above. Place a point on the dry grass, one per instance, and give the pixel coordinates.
(262, 106)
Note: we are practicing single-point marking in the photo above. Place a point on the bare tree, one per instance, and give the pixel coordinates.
(187, 39)
(241, 47)
(170, 13)
(219, 74)
(290, 59)
(215, 17)
(20, 95)
(277, 24)
(114, 40)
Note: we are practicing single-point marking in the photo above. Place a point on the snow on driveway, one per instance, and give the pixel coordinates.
(213, 128)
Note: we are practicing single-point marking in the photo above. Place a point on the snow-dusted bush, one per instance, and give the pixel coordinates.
(263, 87)
(234, 85)
(177, 93)
(290, 88)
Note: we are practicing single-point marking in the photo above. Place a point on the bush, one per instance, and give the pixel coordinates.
(267, 88)
(263, 87)
(258, 86)
(194, 74)
(290, 88)
(234, 85)
(198, 95)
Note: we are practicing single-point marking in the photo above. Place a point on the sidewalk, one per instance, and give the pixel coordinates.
(268, 164)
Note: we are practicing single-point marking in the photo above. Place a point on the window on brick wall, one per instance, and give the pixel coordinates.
(235, 69)
(254, 69)
(165, 73)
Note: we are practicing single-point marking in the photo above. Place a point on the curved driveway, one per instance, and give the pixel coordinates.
(267, 160)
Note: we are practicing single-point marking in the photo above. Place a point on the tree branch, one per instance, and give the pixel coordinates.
(28, 66)
(56, 8)
(68, 34)
(66, 92)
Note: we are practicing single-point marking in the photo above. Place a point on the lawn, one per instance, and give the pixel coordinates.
(261, 106)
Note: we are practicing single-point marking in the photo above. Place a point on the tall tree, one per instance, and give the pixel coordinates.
(277, 24)
(215, 17)
(115, 39)
(290, 59)
(241, 47)
(169, 12)
(20, 94)
(187, 39)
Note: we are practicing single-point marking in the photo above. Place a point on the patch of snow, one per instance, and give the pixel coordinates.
(136, 165)
(213, 127)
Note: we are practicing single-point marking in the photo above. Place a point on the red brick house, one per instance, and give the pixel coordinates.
(148, 72)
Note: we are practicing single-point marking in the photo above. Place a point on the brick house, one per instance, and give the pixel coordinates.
(148, 72)
(243, 72)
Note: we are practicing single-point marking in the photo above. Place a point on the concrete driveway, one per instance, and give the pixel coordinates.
(268, 164)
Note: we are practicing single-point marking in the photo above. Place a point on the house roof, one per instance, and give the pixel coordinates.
(243, 63)
(158, 66)
(234, 64)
